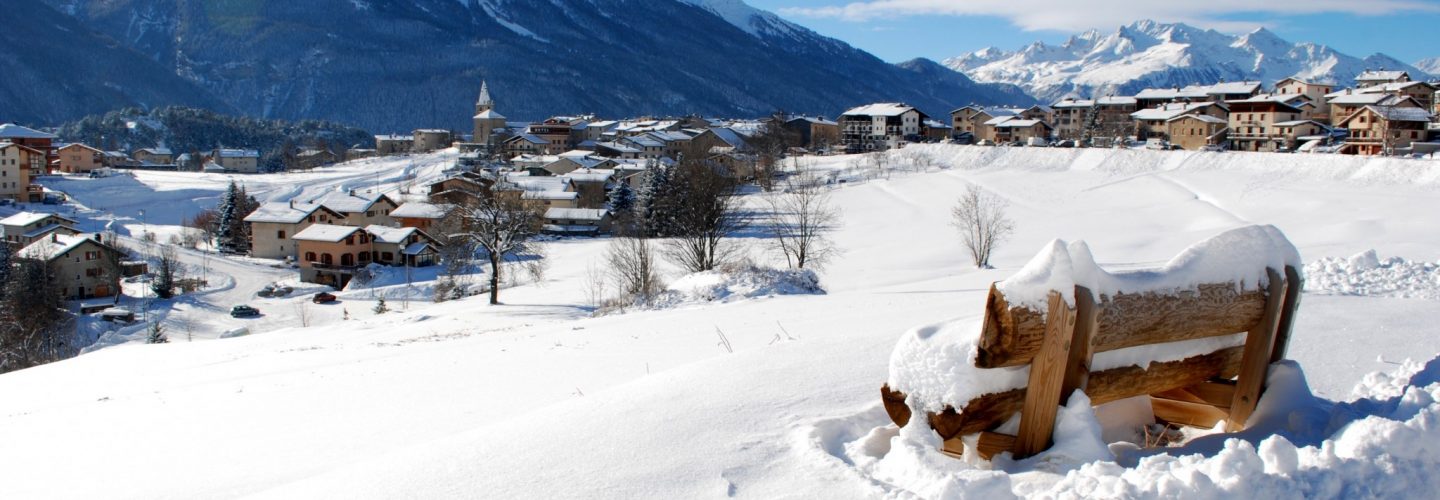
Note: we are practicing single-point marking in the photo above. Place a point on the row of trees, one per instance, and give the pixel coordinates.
(32, 313)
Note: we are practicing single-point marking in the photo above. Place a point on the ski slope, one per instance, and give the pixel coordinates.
(535, 399)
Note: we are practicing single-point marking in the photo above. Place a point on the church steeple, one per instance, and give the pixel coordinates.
(485, 103)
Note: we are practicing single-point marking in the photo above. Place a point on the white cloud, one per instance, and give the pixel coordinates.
(1076, 15)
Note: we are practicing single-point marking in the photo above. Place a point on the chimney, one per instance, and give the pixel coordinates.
(352, 192)
(292, 203)
(55, 237)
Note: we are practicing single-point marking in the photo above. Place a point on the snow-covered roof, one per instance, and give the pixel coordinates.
(1072, 103)
(645, 141)
(282, 212)
(80, 145)
(1115, 100)
(55, 246)
(936, 124)
(1395, 87)
(431, 131)
(489, 114)
(1356, 97)
(729, 136)
(325, 232)
(529, 182)
(1171, 93)
(391, 235)
(530, 138)
(1401, 114)
(590, 175)
(1168, 111)
(1018, 123)
(1203, 118)
(417, 248)
(1381, 76)
(420, 210)
(590, 214)
(27, 218)
(394, 137)
(550, 195)
(618, 147)
(239, 153)
(13, 131)
(818, 121)
(348, 202)
(880, 109)
(155, 151)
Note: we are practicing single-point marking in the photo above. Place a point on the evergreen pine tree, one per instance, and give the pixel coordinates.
(229, 211)
(380, 307)
(651, 199)
(622, 199)
(157, 334)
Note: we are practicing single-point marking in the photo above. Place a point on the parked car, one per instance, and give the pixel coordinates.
(243, 311)
(324, 298)
(274, 290)
(1213, 148)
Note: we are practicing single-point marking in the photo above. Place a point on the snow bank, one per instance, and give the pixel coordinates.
(1366, 274)
(1386, 444)
(729, 285)
(1237, 256)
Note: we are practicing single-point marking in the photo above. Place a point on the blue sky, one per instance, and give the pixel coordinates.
(896, 30)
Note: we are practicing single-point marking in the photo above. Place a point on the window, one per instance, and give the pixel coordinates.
(312, 218)
(387, 256)
(369, 213)
(309, 256)
(280, 235)
(347, 260)
(350, 240)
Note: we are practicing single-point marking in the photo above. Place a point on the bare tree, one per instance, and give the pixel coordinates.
(630, 267)
(770, 144)
(800, 218)
(703, 213)
(502, 224)
(980, 218)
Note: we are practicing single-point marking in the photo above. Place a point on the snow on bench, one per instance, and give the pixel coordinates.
(1197, 335)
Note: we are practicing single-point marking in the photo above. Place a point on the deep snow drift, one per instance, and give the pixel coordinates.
(535, 398)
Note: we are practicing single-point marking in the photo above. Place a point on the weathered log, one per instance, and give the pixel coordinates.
(1013, 334)
(986, 412)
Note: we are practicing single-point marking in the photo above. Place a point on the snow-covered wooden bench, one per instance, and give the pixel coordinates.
(1197, 335)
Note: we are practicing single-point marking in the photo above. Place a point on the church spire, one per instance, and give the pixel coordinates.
(485, 95)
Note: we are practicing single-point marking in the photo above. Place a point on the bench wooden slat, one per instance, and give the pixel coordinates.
(1259, 345)
(1012, 335)
(1047, 379)
(1186, 413)
(1294, 285)
(994, 443)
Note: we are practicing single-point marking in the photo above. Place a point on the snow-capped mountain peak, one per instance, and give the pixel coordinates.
(1150, 54)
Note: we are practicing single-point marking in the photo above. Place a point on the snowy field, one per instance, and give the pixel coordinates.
(536, 399)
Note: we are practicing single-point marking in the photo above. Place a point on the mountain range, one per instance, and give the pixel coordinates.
(393, 65)
(1150, 54)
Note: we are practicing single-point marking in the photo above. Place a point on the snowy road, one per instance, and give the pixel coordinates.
(205, 314)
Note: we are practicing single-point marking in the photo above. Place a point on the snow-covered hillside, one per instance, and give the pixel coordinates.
(535, 399)
(1149, 54)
